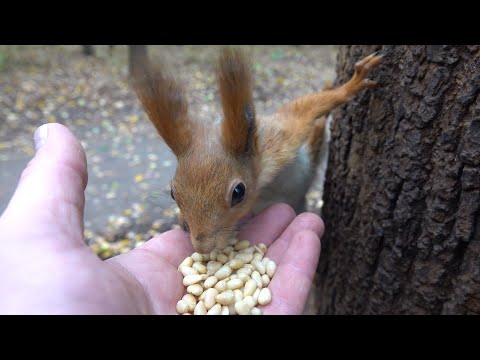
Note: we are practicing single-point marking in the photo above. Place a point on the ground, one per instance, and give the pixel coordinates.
(128, 197)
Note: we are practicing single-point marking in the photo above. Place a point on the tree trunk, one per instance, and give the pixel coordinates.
(402, 191)
(137, 56)
(88, 50)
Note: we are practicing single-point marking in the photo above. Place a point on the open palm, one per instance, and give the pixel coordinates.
(48, 269)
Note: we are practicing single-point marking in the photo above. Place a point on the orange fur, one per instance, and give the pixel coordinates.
(315, 140)
(163, 100)
(235, 84)
(287, 129)
(202, 189)
(243, 149)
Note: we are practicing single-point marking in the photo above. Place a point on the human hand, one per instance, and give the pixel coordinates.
(46, 267)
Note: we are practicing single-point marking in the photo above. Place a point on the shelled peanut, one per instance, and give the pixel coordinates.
(230, 281)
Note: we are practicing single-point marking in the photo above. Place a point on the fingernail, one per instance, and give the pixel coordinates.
(40, 136)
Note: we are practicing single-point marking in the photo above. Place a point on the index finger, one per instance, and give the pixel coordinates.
(267, 226)
(304, 221)
(292, 281)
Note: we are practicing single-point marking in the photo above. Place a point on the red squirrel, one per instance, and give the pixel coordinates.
(241, 162)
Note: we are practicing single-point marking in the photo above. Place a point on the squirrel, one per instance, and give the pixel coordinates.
(241, 162)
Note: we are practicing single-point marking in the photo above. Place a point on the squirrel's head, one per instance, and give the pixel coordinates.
(215, 184)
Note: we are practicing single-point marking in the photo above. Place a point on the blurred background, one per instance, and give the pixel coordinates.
(86, 88)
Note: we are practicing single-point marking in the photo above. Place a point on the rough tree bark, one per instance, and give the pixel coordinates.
(402, 191)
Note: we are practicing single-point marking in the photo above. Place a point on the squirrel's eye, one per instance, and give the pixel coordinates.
(185, 226)
(171, 194)
(238, 194)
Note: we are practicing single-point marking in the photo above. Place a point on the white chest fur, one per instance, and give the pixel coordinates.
(293, 182)
(290, 185)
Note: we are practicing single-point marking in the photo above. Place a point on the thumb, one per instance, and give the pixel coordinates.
(49, 199)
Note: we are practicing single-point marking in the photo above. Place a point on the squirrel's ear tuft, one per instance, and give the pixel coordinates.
(164, 102)
(234, 76)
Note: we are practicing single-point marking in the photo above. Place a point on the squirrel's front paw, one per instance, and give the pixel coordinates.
(359, 80)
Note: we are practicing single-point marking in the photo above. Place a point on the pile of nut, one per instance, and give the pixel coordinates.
(230, 281)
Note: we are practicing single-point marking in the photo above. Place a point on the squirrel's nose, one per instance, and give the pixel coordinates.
(203, 248)
(200, 243)
(200, 237)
